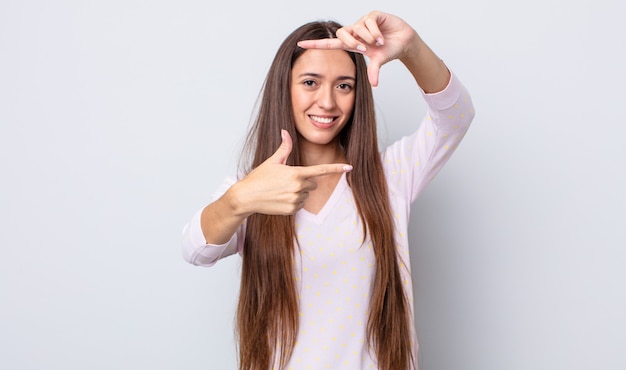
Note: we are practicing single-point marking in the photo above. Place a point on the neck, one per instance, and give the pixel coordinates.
(322, 154)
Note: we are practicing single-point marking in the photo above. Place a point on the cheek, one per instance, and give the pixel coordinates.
(298, 100)
(347, 105)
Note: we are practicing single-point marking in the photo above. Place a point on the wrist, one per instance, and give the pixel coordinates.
(429, 71)
(412, 51)
(235, 199)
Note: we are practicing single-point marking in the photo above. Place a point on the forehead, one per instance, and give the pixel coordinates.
(325, 62)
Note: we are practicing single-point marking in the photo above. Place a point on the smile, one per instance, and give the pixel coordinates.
(322, 120)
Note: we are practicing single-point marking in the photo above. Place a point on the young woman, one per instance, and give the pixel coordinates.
(320, 215)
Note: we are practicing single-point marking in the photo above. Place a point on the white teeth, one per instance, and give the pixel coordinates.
(322, 119)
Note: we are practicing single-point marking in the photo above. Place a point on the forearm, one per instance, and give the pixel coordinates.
(429, 71)
(221, 219)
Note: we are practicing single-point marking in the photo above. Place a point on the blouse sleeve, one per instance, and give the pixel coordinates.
(195, 249)
(413, 161)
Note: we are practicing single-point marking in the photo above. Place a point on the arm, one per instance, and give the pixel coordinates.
(221, 219)
(384, 37)
(430, 73)
(195, 248)
(413, 161)
(272, 188)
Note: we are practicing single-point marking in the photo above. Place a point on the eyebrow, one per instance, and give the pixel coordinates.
(317, 75)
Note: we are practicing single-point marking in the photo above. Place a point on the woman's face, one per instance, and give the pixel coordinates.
(322, 94)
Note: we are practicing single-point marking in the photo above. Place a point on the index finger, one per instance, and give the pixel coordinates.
(327, 44)
(323, 169)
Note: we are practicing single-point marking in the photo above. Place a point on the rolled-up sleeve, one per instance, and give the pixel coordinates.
(195, 249)
(413, 161)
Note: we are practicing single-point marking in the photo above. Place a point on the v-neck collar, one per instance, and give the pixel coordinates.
(319, 218)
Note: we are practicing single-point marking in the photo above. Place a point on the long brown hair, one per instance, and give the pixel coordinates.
(267, 315)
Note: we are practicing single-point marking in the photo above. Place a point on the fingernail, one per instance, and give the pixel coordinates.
(360, 48)
(282, 134)
(347, 168)
(379, 41)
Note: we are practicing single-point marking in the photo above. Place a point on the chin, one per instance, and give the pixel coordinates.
(318, 139)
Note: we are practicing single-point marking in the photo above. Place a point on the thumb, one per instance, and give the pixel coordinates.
(283, 151)
(372, 72)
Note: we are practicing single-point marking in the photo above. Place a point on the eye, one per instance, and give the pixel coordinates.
(344, 87)
(308, 83)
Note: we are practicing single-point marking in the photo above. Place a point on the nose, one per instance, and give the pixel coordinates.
(326, 98)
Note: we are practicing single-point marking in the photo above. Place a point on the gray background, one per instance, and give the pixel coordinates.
(118, 119)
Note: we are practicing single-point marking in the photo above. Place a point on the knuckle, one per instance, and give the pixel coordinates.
(293, 199)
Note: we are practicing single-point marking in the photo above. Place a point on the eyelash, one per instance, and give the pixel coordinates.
(345, 86)
(341, 86)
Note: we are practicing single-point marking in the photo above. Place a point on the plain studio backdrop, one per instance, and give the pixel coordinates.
(118, 119)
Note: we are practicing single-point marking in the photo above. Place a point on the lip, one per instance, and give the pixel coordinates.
(323, 125)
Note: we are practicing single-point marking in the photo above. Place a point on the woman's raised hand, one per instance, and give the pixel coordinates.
(275, 188)
(380, 36)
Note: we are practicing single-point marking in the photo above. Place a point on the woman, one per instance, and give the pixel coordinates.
(320, 215)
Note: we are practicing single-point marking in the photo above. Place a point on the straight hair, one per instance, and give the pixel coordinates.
(268, 310)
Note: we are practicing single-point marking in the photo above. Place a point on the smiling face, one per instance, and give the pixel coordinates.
(322, 96)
